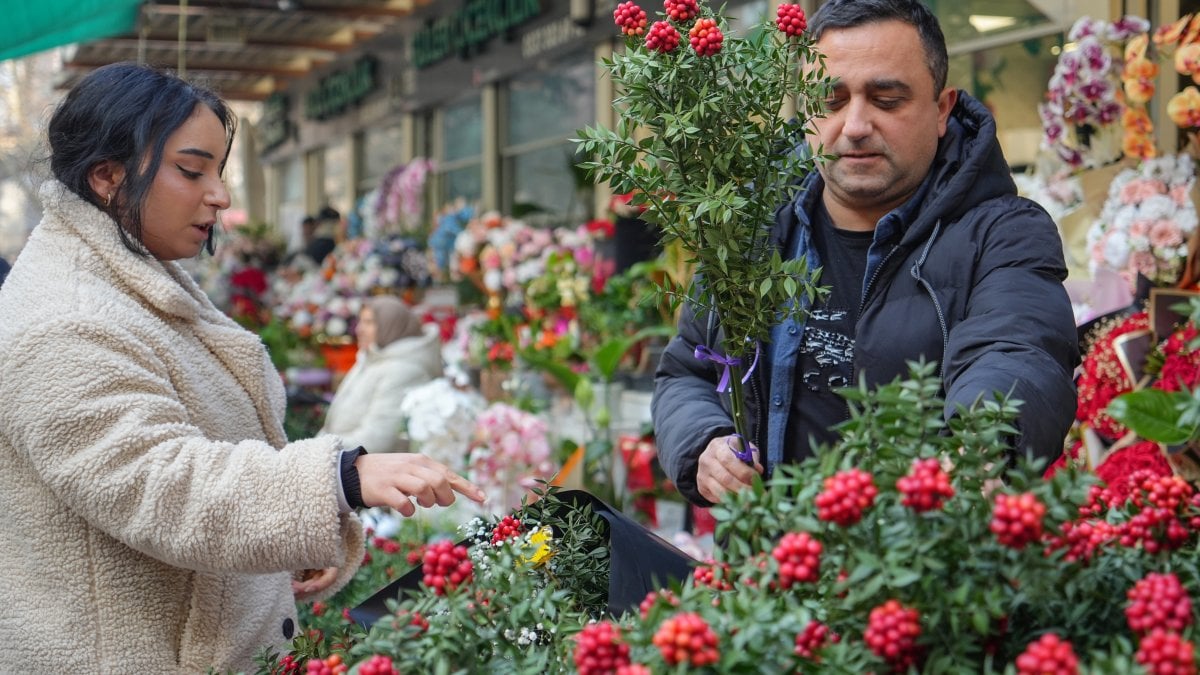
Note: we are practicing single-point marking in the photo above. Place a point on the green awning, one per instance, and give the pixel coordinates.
(38, 25)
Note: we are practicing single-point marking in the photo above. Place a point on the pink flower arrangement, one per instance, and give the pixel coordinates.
(1083, 91)
(1146, 221)
(510, 453)
(400, 202)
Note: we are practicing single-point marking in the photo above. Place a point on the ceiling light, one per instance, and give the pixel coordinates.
(985, 23)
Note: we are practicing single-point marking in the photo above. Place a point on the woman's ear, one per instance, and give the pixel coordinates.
(105, 178)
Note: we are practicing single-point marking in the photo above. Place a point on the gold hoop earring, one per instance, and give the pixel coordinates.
(107, 200)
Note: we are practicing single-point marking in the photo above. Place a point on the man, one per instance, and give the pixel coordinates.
(928, 252)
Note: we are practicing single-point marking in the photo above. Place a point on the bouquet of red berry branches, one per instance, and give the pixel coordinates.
(709, 142)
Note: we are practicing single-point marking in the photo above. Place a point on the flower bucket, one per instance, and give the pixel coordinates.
(339, 357)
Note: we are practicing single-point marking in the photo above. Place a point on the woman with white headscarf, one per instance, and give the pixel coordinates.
(396, 353)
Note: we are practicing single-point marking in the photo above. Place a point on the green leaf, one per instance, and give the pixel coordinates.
(1153, 414)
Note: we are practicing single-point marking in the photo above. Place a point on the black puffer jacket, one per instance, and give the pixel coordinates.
(973, 282)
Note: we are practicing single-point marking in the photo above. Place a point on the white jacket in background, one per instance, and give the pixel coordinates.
(366, 408)
(152, 509)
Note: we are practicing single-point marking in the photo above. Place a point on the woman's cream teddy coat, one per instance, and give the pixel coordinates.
(152, 508)
(366, 409)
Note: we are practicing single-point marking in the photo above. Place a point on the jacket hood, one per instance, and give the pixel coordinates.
(969, 169)
(422, 350)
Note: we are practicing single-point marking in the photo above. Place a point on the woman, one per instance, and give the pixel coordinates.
(395, 354)
(155, 514)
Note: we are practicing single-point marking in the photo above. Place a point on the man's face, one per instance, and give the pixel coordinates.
(884, 118)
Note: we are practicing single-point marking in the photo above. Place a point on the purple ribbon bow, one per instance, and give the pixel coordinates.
(704, 353)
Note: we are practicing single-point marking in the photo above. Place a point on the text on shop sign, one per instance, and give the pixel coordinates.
(336, 92)
(470, 27)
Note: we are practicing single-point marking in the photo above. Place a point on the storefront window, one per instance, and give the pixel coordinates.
(382, 148)
(291, 200)
(1003, 54)
(543, 109)
(1011, 81)
(461, 139)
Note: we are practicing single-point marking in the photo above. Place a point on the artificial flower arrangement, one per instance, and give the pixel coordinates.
(1146, 221)
(439, 420)
(399, 206)
(509, 454)
(324, 303)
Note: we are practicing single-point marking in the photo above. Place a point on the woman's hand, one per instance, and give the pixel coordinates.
(312, 582)
(396, 479)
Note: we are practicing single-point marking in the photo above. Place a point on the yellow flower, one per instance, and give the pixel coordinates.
(1187, 59)
(1139, 91)
(1184, 108)
(541, 538)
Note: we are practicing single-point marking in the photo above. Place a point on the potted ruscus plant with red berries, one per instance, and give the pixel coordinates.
(896, 551)
(705, 146)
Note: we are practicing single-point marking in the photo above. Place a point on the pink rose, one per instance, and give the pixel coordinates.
(1164, 233)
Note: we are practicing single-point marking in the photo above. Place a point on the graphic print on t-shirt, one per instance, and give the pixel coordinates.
(831, 351)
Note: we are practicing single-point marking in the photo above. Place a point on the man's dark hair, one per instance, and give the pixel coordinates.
(853, 13)
(124, 113)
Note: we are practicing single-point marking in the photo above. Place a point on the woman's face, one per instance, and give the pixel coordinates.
(366, 328)
(187, 192)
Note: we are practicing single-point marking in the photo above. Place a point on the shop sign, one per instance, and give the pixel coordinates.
(274, 127)
(337, 92)
(468, 29)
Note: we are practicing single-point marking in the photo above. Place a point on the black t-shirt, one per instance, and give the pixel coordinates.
(826, 360)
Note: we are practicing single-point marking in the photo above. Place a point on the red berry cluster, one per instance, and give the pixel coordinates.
(662, 37)
(714, 575)
(377, 665)
(599, 650)
(814, 636)
(847, 494)
(413, 618)
(1017, 519)
(633, 669)
(687, 638)
(799, 558)
(630, 18)
(681, 10)
(389, 546)
(1164, 653)
(1049, 655)
(330, 666)
(892, 632)
(1167, 492)
(706, 37)
(506, 529)
(1155, 529)
(288, 665)
(1158, 601)
(1082, 538)
(790, 19)
(446, 566)
(654, 597)
(926, 487)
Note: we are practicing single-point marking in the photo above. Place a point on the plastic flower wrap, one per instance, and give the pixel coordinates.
(440, 420)
(511, 453)
(1146, 221)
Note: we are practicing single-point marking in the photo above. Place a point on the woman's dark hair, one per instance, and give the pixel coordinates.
(853, 13)
(124, 113)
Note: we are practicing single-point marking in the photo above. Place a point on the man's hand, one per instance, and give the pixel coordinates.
(720, 471)
(396, 479)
